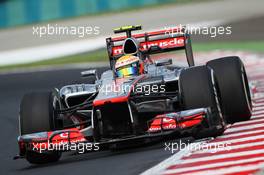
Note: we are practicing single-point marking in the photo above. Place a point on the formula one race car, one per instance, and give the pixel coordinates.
(142, 97)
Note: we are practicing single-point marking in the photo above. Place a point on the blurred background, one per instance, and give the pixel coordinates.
(21, 21)
(21, 12)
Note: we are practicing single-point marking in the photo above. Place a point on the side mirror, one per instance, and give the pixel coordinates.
(89, 73)
(163, 62)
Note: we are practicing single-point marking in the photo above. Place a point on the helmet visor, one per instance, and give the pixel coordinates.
(128, 70)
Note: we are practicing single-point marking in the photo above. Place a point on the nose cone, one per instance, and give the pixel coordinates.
(130, 46)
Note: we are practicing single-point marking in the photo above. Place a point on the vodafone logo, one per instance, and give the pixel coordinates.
(167, 120)
(117, 50)
(64, 135)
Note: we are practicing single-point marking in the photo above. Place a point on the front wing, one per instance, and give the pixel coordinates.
(170, 125)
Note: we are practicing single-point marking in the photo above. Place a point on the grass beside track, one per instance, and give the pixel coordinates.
(101, 55)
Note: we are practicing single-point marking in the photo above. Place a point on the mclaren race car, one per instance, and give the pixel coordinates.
(142, 97)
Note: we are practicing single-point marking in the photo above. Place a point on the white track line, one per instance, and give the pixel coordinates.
(249, 122)
(257, 113)
(214, 165)
(241, 134)
(258, 105)
(159, 168)
(244, 128)
(176, 159)
(260, 115)
(242, 139)
(230, 147)
(258, 108)
(258, 102)
(221, 156)
(221, 171)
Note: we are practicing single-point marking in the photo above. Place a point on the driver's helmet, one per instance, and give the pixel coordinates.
(128, 65)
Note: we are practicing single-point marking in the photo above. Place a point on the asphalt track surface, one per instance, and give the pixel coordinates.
(12, 88)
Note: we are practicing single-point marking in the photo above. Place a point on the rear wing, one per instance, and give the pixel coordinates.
(153, 42)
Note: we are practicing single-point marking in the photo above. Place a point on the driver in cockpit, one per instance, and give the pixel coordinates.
(129, 64)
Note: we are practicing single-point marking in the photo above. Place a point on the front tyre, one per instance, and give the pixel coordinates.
(234, 88)
(198, 89)
(37, 114)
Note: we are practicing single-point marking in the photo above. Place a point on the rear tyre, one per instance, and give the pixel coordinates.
(234, 89)
(198, 89)
(37, 115)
